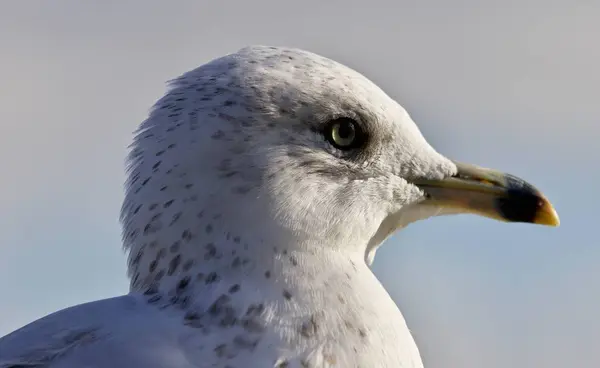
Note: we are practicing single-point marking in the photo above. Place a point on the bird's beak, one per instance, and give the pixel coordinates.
(489, 193)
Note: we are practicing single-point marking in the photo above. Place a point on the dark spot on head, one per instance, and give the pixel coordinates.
(174, 264)
(175, 218)
(192, 316)
(255, 309)
(212, 277)
(211, 251)
(287, 294)
(186, 235)
(294, 261)
(151, 290)
(188, 264)
(209, 228)
(243, 342)
(234, 288)
(174, 248)
(167, 204)
(268, 274)
(159, 275)
(220, 350)
(309, 328)
(183, 283)
(217, 307)
(154, 299)
(218, 135)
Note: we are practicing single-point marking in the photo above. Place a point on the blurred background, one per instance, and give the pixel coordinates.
(512, 85)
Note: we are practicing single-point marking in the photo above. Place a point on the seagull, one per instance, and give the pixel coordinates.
(258, 191)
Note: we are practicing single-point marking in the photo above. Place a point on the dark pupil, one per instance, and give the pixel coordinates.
(346, 130)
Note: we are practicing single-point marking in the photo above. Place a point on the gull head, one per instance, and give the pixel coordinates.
(281, 147)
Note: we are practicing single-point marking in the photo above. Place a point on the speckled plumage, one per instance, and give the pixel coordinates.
(249, 236)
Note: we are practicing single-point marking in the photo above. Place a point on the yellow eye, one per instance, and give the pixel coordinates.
(343, 133)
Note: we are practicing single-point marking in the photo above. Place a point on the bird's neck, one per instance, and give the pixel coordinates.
(319, 302)
(211, 259)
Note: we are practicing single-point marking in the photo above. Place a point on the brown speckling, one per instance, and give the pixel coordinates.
(217, 307)
(186, 235)
(174, 248)
(252, 324)
(211, 251)
(192, 316)
(220, 350)
(152, 227)
(255, 309)
(287, 295)
(243, 342)
(309, 328)
(175, 218)
(174, 264)
(229, 317)
(183, 283)
(154, 299)
(159, 275)
(188, 264)
(212, 277)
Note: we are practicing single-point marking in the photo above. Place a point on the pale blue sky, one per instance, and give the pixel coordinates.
(512, 85)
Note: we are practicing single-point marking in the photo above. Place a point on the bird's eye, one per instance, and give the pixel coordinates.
(343, 133)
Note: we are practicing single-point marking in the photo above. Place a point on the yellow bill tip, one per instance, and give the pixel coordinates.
(546, 215)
